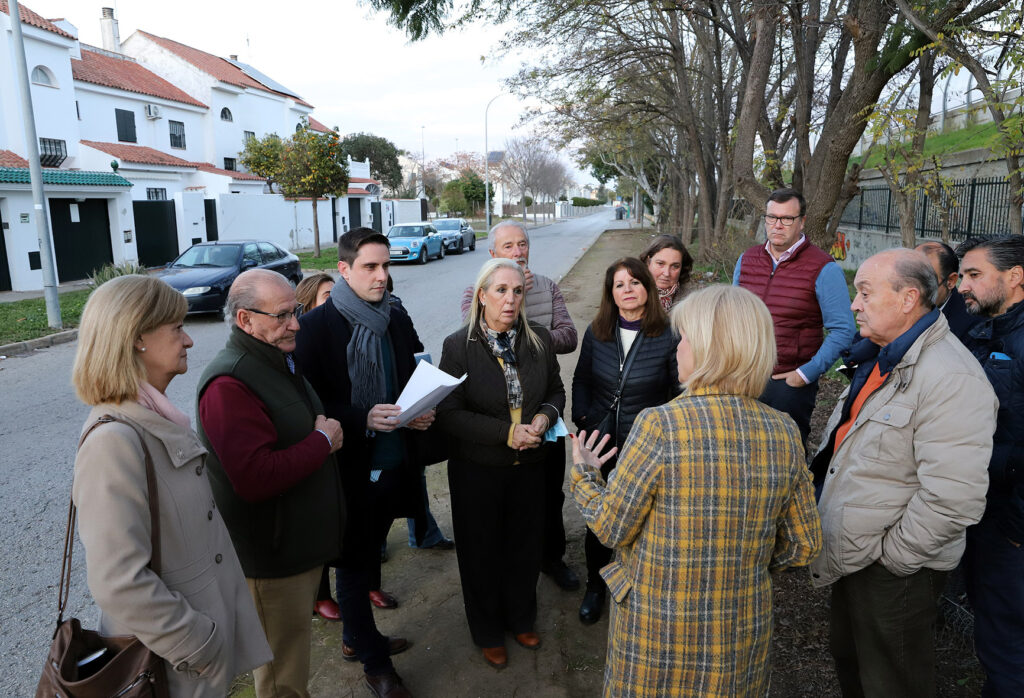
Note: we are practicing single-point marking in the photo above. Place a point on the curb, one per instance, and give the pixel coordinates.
(38, 343)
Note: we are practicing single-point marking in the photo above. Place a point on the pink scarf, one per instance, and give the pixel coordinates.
(667, 295)
(153, 399)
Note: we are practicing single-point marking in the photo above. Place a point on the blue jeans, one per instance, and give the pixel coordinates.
(994, 572)
(433, 536)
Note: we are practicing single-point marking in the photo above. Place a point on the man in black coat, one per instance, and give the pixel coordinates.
(947, 270)
(358, 352)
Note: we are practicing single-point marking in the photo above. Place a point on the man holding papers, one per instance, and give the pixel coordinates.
(358, 352)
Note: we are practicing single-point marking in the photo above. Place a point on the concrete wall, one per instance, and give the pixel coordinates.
(272, 217)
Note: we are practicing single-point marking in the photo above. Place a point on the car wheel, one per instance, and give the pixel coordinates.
(440, 255)
(472, 243)
(462, 246)
(423, 255)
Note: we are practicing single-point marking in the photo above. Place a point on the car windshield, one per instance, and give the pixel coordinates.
(208, 256)
(450, 224)
(406, 231)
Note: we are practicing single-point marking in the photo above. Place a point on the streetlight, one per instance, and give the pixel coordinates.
(423, 164)
(487, 167)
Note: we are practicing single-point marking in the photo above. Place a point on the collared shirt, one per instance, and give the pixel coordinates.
(785, 255)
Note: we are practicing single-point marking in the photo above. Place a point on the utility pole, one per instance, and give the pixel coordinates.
(35, 171)
(487, 167)
(423, 162)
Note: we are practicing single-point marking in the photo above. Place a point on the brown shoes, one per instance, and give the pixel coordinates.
(387, 685)
(530, 641)
(382, 599)
(497, 657)
(396, 645)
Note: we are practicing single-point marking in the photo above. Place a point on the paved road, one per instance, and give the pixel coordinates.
(40, 419)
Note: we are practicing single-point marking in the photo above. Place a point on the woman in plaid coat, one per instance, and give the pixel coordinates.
(711, 494)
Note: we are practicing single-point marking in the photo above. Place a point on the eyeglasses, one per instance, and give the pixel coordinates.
(785, 220)
(280, 317)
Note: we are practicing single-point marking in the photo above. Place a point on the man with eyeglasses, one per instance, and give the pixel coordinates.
(806, 293)
(358, 351)
(272, 468)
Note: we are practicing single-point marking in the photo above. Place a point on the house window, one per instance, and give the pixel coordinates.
(177, 134)
(156, 194)
(125, 125)
(52, 152)
(249, 136)
(41, 75)
(225, 115)
(229, 164)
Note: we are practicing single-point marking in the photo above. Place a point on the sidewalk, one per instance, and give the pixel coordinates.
(443, 661)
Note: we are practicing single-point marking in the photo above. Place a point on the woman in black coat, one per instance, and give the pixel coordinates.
(630, 331)
(496, 419)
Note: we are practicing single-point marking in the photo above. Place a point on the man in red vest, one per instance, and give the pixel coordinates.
(806, 293)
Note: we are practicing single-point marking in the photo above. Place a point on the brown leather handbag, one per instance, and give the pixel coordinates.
(85, 664)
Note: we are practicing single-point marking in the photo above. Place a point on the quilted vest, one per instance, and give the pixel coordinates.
(538, 301)
(298, 529)
(788, 291)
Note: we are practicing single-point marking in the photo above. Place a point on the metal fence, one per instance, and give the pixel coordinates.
(976, 207)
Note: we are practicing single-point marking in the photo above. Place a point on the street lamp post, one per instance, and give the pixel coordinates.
(487, 167)
(423, 163)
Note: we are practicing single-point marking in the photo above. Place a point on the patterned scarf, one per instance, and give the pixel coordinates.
(666, 296)
(502, 344)
(364, 354)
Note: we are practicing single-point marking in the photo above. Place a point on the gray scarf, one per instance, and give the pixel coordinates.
(365, 358)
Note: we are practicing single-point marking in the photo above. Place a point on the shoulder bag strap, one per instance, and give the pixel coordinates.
(69, 535)
(634, 349)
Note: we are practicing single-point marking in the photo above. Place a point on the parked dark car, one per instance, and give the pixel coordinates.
(457, 234)
(204, 272)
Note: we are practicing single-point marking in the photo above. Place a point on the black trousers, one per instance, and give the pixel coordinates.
(497, 518)
(554, 498)
(597, 555)
(360, 572)
(798, 403)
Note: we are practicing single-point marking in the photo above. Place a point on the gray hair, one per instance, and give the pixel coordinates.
(1004, 251)
(247, 291)
(911, 268)
(503, 224)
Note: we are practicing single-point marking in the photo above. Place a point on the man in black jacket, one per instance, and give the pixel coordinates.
(947, 270)
(993, 288)
(358, 353)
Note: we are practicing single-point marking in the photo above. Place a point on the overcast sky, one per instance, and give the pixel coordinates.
(358, 72)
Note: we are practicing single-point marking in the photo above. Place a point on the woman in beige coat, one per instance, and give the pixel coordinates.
(195, 611)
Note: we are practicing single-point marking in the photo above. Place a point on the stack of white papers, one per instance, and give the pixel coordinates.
(427, 387)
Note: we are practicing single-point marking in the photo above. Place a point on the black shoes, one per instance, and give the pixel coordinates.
(561, 575)
(443, 544)
(590, 609)
(387, 685)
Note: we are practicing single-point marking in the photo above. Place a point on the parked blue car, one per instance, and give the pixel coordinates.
(415, 242)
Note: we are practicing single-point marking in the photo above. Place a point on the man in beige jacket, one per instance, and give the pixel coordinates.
(902, 472)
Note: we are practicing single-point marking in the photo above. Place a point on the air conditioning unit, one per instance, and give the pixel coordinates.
(152, 111)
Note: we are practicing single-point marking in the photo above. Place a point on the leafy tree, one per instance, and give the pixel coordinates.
(452, 198)
(312, 166)
(262, 157)
(473, 189)
(383, 156)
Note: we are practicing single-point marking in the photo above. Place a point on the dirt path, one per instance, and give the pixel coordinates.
(443, 660)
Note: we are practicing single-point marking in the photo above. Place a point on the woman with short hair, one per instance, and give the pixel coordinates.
(670, 263)
(193, 609)
(496, 419)
(627, 363)
(711, 494)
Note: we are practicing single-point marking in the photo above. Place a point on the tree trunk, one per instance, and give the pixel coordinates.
(316, 229)
(764, 27)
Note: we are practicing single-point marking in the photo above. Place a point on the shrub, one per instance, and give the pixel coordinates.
(581, 201)
(110, 271)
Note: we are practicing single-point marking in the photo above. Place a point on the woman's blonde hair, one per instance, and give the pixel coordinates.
(483, 281)
(731, 336)
(309, 288)
(107, 367)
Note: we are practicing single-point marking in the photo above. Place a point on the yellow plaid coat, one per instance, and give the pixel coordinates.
(711, 493)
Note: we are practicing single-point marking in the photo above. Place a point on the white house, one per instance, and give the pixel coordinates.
(89, 212)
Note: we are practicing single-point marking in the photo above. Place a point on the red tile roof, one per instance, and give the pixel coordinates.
(357, 191)
(362, 180)
(9, 159)
(32, 19)
(140, 154)
(317, 126)
(102, 69)
(216, 66)
(207, 167)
